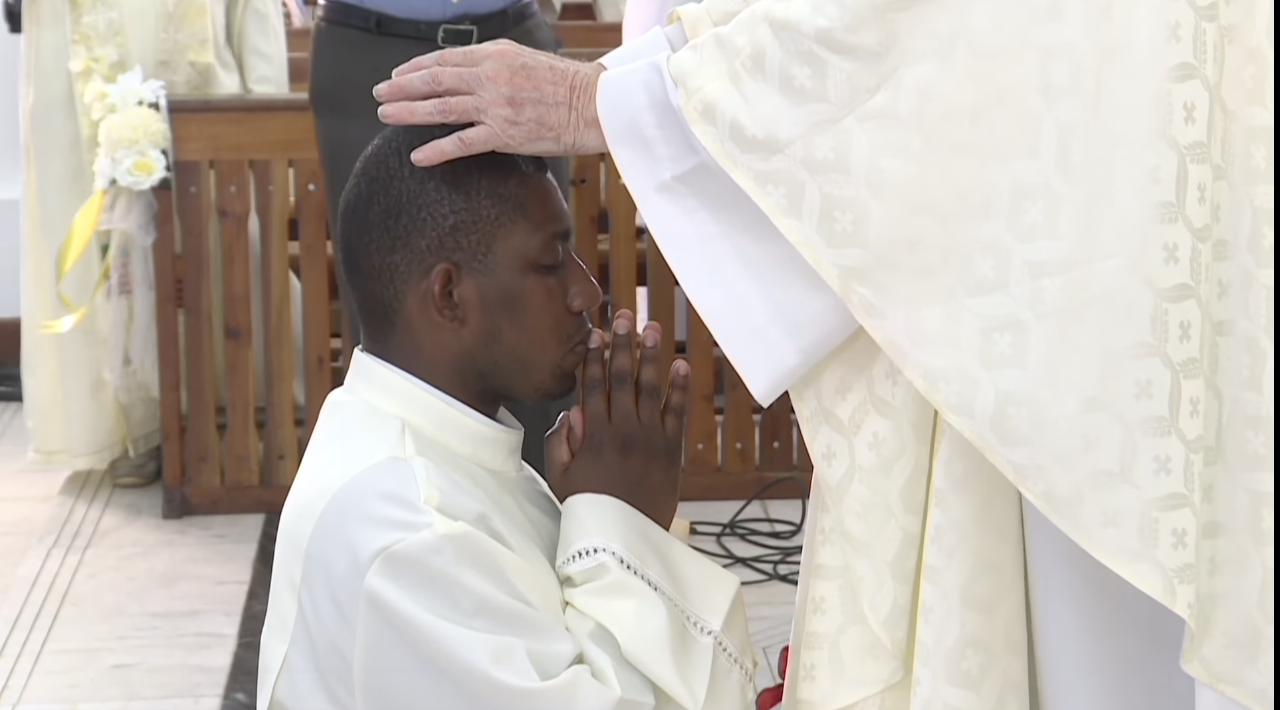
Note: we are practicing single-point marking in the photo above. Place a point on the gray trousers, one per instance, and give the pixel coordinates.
(345, 65)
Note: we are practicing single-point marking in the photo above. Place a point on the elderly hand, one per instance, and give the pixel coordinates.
(521, 101)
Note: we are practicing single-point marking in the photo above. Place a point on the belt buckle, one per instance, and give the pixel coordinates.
(457, 35)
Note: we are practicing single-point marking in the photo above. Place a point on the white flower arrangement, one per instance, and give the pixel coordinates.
(133, 133)
(128, 118)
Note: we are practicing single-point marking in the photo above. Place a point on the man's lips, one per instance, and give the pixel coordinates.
(580, 346)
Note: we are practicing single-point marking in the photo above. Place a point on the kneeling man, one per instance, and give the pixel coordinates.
(420, 563)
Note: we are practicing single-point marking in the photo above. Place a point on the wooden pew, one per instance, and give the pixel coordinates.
(299, 44)
(734, 448)
(222, 452)
(588, 41)
(225, 453)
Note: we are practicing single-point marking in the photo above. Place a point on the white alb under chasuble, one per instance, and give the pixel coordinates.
(1054, 223)
(420, 564)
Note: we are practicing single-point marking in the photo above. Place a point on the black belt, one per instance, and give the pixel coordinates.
(462, 32)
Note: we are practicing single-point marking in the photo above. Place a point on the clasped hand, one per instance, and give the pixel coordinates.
(626, 440)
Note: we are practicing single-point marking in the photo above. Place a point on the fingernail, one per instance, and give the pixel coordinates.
(382, 112)
(621, 326)
(650, 339)
(682, 368)
(596, 340)
(379, 89)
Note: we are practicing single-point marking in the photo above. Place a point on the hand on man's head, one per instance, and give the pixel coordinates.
(627, 438)
(521, 100)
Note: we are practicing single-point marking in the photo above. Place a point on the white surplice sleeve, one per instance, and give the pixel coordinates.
(678, 617)
(256, 31)
(450, 618)
(770, 312)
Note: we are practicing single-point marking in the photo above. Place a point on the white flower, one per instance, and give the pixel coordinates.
(140, 170)
(87, 56)
(97, 97)
(130, 89)
(131, 130)
(103, 170)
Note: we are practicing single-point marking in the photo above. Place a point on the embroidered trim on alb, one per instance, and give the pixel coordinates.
(591, 554)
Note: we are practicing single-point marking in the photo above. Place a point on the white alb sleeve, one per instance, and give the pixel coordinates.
(771, 313)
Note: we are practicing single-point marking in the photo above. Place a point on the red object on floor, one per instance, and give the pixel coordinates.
(771, 698)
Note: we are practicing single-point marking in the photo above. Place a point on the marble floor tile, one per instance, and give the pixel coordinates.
(21, 521)
(791, 509)
(133, 520)
(20, 479)
(145, 618)
(716, 510)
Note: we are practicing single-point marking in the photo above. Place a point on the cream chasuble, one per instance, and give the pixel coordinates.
(421, 564)
(1054, 223)
(78, 413)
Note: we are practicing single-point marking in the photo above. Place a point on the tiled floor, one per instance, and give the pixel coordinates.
(104, 606)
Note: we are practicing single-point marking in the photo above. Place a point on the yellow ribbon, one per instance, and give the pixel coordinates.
(78, 242)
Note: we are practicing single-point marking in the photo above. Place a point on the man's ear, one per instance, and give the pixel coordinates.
(442, 293)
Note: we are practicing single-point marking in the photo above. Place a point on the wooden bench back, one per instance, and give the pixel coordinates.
(588, 41)
(299, 44)
(231, 449)
(585, 41)
(733, 447)
(235, 158)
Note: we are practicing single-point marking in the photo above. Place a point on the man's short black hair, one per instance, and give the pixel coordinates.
(397, 220)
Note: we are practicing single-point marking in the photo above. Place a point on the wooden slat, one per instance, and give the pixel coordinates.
(252, 127)
(777, 450)
(299, 71)
(242, 464)
(299, 39)
(280, 438)
(738, 432)
(700, 450)
(578, 12)
(313, 234)
(203, 459)
(589, 35)
(228, 501)
(804, 463)
(165, 254)
(622, 241)
(741, 487)
(585, 198)
(661, 291)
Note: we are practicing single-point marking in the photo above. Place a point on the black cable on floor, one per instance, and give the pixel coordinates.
(769, 547)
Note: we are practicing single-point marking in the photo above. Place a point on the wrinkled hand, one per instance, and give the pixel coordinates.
(522, 100)
(627, 438)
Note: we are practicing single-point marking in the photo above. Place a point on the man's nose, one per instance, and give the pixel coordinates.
(584, 293)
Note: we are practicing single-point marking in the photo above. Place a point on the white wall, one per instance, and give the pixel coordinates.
(10, 171)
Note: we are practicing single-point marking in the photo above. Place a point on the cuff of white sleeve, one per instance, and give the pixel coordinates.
(650, 44)
(609, 528)
(767, 308)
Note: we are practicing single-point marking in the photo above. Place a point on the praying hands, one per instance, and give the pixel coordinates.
(627, 438)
